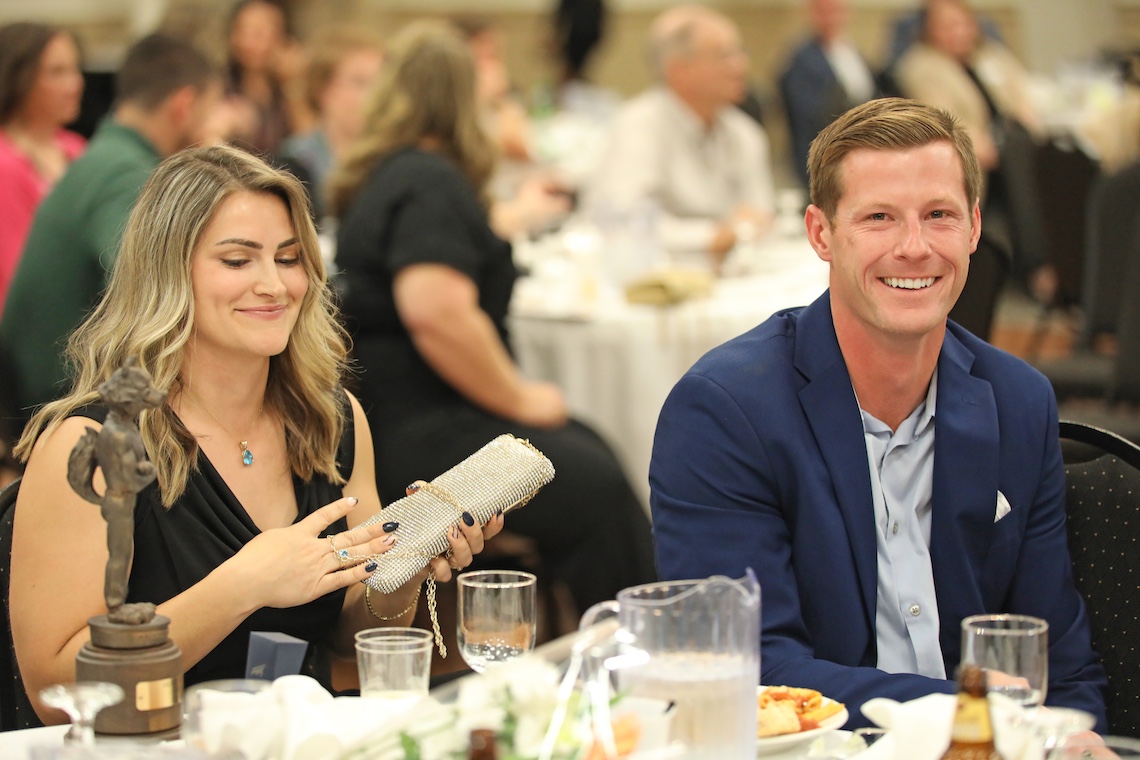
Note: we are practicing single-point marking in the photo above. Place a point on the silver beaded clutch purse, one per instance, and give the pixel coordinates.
(503, 475)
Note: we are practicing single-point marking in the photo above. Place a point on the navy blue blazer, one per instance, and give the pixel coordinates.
(759, 461)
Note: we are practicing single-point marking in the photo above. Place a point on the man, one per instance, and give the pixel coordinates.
(825, 76)
(883, 471)
(165, 92)
(685, 147)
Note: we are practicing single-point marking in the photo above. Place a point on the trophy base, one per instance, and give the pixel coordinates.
(146, 664)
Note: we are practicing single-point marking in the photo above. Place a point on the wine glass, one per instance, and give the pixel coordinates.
(1014, 650)
(496, 616)
(82, 701)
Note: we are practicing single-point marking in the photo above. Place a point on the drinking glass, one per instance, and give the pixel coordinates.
(1015, 651)
(82, 701)
(496, 616)
(394, 664)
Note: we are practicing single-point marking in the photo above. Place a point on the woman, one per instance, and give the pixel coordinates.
(342, 72)
(426, 289)
(40, 89)
(265, 465)
(981, 82)
(263, 67)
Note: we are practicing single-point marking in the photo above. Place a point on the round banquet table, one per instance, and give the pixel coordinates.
(616, 362)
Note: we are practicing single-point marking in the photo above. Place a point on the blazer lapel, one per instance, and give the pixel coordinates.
(966, 463)
(829, 403)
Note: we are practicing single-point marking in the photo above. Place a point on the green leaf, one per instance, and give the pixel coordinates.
(410, 746)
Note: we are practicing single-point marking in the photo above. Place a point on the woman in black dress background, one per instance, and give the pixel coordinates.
(426, 286)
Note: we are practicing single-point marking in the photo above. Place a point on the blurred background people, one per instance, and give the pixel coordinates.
(578, 29)
(506, 116)
(40, 90)
(264, 66)
(344, 65)
(684, 147)
(908, 29)
(984, 85)
(166, 93)
(825, 76)
(426, 285)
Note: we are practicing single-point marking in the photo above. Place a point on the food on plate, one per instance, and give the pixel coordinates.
(789, 709)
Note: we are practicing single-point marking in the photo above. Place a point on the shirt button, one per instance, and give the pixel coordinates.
(895, 529)
(915, 610)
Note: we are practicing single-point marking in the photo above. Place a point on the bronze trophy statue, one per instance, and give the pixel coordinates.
(130, 645)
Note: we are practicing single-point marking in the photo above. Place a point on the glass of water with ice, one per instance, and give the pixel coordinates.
(496, 620)
(1014, 649)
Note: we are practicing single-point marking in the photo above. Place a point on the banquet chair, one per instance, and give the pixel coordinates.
(1103, 505)
(1112, 226)
(15, 709)
(1112, 269)
(1065, 177)
(977, 304)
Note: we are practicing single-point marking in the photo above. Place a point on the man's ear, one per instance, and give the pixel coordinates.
(818, 231)
(179, 104)
(975, 227)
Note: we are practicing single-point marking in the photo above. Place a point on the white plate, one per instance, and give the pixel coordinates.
(770, 745)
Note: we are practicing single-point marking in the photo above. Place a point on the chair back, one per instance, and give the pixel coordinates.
(1103, 505)
(1125, 382)
(1113, 221)
(1065, 175)
(977, 303)
(15, 709)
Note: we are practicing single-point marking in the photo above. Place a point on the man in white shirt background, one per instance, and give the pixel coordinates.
(683, 147)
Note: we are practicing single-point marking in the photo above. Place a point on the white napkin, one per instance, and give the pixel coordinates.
(920, 729)
(297, 719)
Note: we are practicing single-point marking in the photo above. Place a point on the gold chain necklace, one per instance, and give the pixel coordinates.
(246, 454)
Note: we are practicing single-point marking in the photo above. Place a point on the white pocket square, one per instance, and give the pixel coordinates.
(1003, 507)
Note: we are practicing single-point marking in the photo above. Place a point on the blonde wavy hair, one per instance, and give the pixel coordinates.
(426, 90)
(148, 312)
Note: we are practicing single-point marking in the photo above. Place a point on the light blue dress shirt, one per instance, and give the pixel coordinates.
(902, 477)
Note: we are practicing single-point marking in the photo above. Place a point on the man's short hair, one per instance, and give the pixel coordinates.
(158, 65)
(885, 124)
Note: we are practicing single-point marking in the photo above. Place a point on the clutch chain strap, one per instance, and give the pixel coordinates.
(443, 495)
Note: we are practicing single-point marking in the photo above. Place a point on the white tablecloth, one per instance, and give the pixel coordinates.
(617, 362)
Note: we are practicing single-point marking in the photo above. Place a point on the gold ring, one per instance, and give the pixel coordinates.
(341, 554)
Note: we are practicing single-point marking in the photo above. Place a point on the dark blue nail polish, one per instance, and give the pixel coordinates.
(390, 526)
(413, 487)
(467, 518)
(353, 500)
(371, 567)
(498, 512)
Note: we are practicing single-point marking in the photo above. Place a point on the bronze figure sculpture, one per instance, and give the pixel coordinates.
(117, 449)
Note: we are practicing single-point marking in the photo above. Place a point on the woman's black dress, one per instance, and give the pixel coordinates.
(418, 208)
(176, 548)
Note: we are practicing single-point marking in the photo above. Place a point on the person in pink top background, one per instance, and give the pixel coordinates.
(40, 90)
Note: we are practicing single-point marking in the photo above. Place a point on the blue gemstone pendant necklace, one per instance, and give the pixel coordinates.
(246, 454)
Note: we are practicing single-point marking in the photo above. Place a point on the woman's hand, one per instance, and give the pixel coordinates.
(287, 567)
(541, 405)
(466, 539)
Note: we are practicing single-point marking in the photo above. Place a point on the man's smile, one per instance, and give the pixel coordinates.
(908, 283)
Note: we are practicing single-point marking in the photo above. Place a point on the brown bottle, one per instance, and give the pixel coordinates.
(482, 745)
(972, 737)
